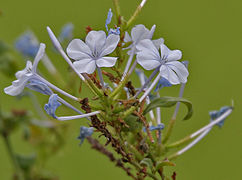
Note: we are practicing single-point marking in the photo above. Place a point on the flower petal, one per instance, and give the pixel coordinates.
(109, 19)
(26, 70)
(96, 40)
(39, 86)
(77, 50)
(127, 37)
(151, 32)
(174, 55)
(147, 45)
(85, 66)
(158, 42)
(164, 51)
(139, 32)
(147, 61)
(169, 74)
(110, 44)
(39, 56)
(148, 56)
(180, 70)
(17, 86)
(106, 61)
(52, 105)
(85, 132)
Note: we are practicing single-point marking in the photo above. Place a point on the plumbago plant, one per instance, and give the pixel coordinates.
(128, 117)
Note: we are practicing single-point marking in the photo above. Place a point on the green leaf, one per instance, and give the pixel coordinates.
(147, 162)
(161, 164)
(169, 102)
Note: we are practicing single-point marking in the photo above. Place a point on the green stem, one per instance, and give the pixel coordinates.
(92, 86)
(173, 156)
(117, 9)
(179, 142)
(135, 15)
(11, 155)
(138, 167)
(129, 111)
(169, 130)
(120, 87)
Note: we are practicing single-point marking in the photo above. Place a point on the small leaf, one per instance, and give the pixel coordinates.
(161, 164)
(147, 162)
(169, 102)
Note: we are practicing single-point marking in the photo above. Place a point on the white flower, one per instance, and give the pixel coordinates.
(25, 75)
(139, 33)
(93, 52)
(171, 69)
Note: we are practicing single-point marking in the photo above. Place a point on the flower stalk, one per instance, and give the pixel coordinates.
(198, 132)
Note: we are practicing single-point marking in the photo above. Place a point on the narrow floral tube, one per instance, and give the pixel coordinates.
(69, 105)
(151, 87)
(65, 118)
(194, 142)
(58, 46)
(128, 62)
(56, 88)
(211, 124)
(147, 82)
(142, 3)
(142, 78)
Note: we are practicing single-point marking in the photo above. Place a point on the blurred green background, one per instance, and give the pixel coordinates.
(210, 35)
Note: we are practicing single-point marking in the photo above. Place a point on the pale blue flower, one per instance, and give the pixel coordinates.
(27, 44)
(66, 33)
(170, 68)
(115, 31)
(93, 53)
(26, 74)
(139, 33)
(37, 85)
(215, 114)
(185, 63)
(109, 19)
(52, 105)
(163, 82)
(159, 127)
(85, 132)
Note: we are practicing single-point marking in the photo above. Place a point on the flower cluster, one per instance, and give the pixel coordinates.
(117, 109)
